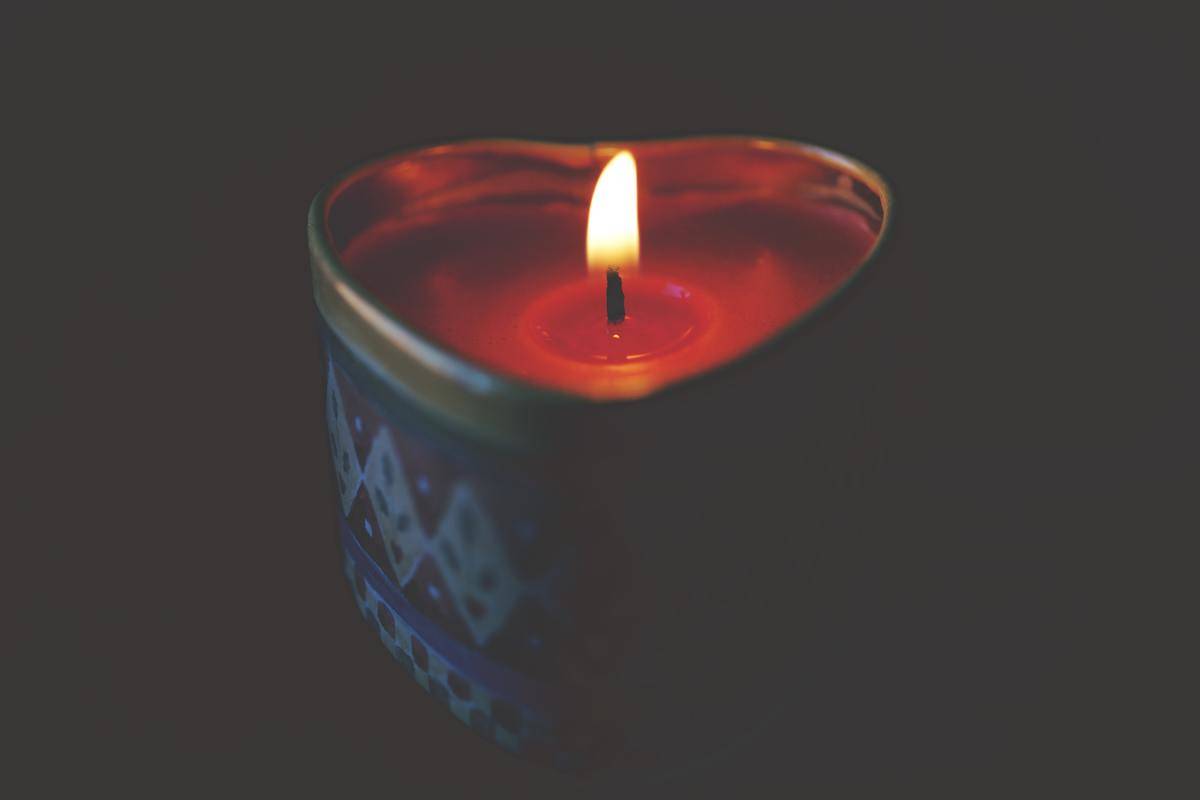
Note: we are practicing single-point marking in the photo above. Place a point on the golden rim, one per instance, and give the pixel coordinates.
(492, 407)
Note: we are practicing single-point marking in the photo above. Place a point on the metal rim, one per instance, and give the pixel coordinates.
(467, 396)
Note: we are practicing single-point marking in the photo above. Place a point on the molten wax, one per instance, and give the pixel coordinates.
(505, 284)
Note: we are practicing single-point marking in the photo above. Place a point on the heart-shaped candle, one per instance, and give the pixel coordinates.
(532, 523)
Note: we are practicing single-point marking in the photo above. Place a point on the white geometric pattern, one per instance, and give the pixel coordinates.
(472, 559)
(341, 444)
(387, 488)
(465, 544)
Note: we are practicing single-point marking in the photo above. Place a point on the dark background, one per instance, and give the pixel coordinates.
(165, 437)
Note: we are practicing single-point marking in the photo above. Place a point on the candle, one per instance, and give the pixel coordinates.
(527, 517)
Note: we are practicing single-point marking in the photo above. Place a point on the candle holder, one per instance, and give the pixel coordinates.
(571, 573)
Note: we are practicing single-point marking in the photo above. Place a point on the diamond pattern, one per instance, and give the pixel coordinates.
(341, 444)
(471, 555)
(388, 491)
(366, 527)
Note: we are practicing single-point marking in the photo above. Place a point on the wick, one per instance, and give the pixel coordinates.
(616, 297)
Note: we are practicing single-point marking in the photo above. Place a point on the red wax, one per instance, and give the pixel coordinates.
(660, 316)
(506, 284)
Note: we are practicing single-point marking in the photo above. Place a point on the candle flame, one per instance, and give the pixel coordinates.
(612, 231)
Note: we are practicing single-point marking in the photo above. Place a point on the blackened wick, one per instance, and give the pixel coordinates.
(615, 296)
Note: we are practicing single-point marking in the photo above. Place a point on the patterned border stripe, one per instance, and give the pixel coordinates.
(515, 728)
(341, 443)
(389, 497)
